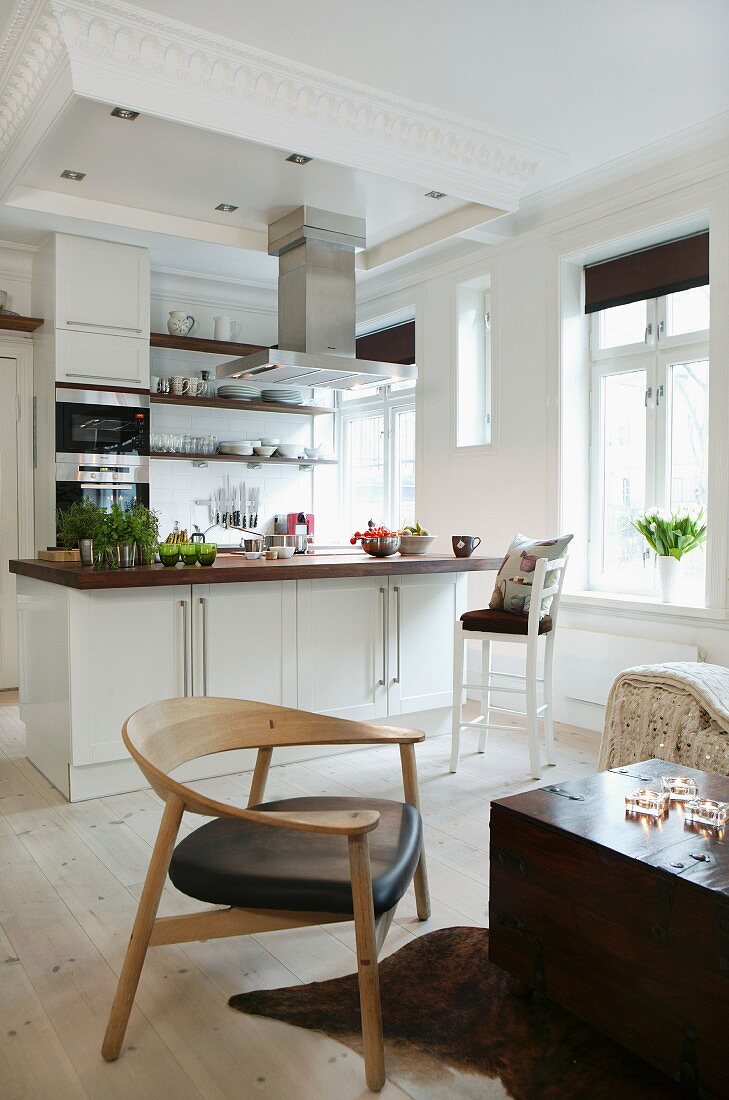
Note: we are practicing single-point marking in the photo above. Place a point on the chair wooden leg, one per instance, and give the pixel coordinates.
(458, 647)
(383, 924)
(369, 981)
(531, 709)
(412, 797)
(486, 694)
(260, 776)
(142, 930)
(548, 716)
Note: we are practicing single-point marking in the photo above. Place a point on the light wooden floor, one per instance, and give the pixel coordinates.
(69, 878)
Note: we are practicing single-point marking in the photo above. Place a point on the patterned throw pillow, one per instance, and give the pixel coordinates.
(512, 591)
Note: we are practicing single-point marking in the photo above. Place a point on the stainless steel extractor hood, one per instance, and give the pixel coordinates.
(316, 308)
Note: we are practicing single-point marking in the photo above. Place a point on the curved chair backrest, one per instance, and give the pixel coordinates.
(164, 735)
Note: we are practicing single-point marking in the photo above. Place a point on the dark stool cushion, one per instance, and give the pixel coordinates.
(502, 622)
(253, 866)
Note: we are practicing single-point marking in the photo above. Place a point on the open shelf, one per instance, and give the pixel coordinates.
(204, 347)
(244, 406)
(20, 324)
(248, 460)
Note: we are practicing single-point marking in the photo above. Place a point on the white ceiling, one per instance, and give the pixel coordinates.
(153, 164)
(596, 80)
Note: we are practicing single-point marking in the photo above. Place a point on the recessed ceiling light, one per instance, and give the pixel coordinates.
(298, 158)
(226, 207)
(125, 113)
(69, 174)
(435, 194)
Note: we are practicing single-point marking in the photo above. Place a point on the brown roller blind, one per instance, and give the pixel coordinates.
(390, 345)
(663, 269)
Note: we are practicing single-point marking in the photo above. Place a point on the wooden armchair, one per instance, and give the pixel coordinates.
(285, 864)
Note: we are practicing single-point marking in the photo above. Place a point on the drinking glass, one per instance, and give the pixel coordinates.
(188, 553)
(169, 553)
(206, 552)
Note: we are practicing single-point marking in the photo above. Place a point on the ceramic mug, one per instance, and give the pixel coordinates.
(179, 385)
(464, 545)
(224, 328)
(198, 388)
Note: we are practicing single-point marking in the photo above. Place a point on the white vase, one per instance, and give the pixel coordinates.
(179, 323)
(668, 575)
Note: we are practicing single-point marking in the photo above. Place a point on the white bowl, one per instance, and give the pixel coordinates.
(313, 452)
(416, 544)
(270, 442)
(252, 442)
(263, 452)
(253, 555)
(286, 551)
(289, 450)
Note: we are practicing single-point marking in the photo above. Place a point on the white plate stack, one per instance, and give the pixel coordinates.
(238, 391)
(283, 395)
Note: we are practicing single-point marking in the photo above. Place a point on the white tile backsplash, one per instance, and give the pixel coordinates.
(175, 484)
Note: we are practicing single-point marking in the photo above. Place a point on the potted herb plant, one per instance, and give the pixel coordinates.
(670, 536)
(144, 524)
(78, 525)
(120, 536)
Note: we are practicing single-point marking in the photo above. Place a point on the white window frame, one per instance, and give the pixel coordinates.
(486, 281)
(389, 405)
(654, 355)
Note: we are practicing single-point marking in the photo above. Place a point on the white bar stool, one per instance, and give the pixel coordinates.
(489, 626)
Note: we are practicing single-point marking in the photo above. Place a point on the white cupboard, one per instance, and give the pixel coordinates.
(88, 358)
(243, 641)
(342, 647)
(101, 286)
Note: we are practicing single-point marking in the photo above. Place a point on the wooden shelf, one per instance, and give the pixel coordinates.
(244, 406)
(20, 324)
(249, 460)
(204, 347)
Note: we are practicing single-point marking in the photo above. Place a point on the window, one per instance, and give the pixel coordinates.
(650, 400)
(378, 449)
(473, 373)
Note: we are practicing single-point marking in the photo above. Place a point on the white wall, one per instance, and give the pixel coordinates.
(515, 485)
(16, 262)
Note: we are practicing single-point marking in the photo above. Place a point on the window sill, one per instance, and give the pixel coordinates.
(643, 606)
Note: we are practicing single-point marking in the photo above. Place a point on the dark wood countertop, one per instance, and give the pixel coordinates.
(235, 568)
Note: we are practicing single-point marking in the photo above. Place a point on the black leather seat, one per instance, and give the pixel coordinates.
(252, 866)
(502, 622)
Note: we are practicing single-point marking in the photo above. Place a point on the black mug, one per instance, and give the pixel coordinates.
(464, 545)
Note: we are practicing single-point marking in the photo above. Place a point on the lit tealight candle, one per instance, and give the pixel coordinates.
(705, 811)
(646, 801)
(679, 787)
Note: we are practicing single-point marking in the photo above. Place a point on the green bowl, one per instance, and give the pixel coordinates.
(188, 553)
(169, 553)
(206, 552)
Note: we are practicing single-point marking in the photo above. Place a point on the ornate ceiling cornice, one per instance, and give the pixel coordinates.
(123, 54)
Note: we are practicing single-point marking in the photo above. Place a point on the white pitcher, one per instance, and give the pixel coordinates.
(224, 328)
(180, 323)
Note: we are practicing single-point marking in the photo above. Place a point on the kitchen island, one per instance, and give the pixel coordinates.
(344, 634)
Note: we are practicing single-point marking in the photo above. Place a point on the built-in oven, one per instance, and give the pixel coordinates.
(101, 422)
(105, 480)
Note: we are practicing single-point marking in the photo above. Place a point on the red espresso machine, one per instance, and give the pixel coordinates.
(301, 523)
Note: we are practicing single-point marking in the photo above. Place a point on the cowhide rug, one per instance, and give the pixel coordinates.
(452, 1029)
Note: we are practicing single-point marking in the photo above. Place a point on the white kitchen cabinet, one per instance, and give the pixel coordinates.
(244, 641)
(423, 609)
(101, 286)
(88, 358)
(342, 647)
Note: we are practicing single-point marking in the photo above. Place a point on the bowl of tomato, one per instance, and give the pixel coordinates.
(379, 542)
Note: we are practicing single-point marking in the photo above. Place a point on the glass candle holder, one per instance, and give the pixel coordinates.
(188, 553)
(169, 553)
(647, 802)
(705, 811)
(680, 788)
(206, 552)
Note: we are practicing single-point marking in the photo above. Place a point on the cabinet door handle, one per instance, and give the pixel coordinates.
(183, 605)
(204, 642)
(396, 678)
(107, 377)
(102, 324)
(381, 682)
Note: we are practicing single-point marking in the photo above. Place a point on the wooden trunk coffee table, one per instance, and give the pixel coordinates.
(623, 920)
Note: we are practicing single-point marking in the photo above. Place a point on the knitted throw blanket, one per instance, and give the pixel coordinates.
(676, 711)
